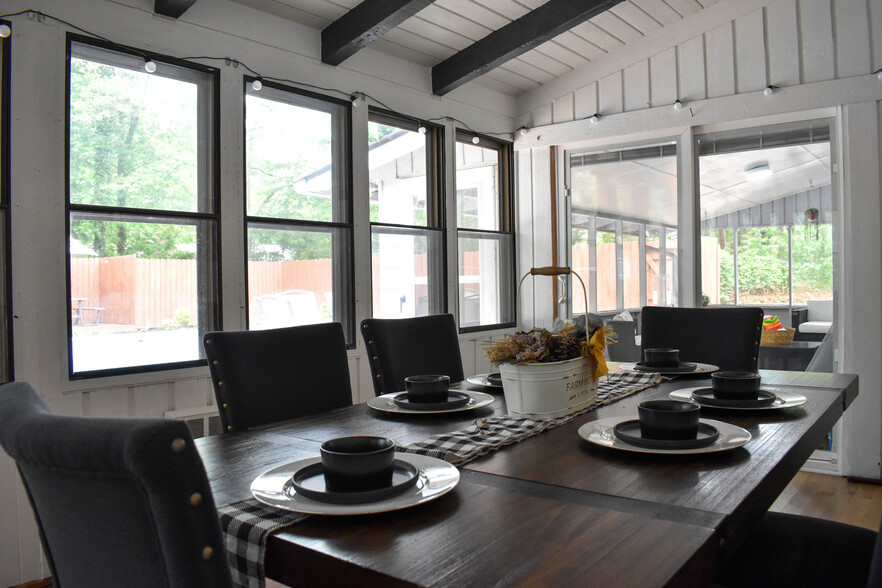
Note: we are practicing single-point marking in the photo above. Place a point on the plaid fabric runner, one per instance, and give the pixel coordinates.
(246, 524)
(490, 434)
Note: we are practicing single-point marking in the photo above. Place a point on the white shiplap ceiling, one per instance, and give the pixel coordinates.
(445, 27)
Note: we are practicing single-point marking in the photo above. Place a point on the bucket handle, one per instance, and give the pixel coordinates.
(548, 270)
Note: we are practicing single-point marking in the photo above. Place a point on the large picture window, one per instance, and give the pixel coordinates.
(407, 228)
(298, 209)
(142, 211)
(485, 241)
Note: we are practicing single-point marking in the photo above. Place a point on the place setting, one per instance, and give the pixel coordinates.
(355, 475)
(665, 427)
(429, 394)
(492, 380)
(666, 361)
(738, 391)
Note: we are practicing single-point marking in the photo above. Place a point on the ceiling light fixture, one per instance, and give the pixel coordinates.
(757, 172)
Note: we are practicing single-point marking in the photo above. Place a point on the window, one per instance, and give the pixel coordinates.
(767, 215)
(5, 331)
(407, 222)
(142, 211)
(298, 209)
(623, 228)
(485, 241)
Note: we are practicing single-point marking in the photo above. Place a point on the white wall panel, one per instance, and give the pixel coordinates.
(663, 78)
(720, 55)
(691, 69)
(610, 94)
(816, 20)
(524, 223)
(750, 53)
(108, 402)
(852, 36)
(636, 86)
(562, 109)
(586, 101)
(543, 115)
(875, 19)
(784, 52)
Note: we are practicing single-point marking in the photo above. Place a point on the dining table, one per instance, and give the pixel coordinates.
(551, 509)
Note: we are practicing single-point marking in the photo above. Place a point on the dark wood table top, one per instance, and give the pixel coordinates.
(552, 508)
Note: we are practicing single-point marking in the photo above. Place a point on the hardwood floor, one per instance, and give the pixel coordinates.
(833, 498)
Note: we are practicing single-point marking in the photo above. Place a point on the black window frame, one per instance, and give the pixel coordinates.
(344, 273)
(209, 273)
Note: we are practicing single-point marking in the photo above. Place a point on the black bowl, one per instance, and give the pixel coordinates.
(668, 419)
(494, 379)
(736, 385)
(427, 388)
(357, 464)
(661, 357)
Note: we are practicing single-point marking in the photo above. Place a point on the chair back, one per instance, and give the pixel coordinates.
(273, 375)
(398, 348)
(118, 502)
(625, 347)
(728, 338)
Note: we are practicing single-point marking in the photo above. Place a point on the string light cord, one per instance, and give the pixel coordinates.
(237, 62)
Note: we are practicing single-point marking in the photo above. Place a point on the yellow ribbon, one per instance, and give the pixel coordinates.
(595, 348)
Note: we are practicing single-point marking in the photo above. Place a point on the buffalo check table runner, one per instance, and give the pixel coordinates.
(246, 524)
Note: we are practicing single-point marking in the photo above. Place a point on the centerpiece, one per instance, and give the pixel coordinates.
(551, 373)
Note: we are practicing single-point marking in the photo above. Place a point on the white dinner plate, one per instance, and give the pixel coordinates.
(700, 368)
(784, 399)
(275, 488)
(387, 404)
(600, 432)
(481, 380)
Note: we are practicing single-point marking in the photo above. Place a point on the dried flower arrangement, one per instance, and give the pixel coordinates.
(566, 341)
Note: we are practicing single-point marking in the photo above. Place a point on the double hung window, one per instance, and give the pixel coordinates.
(142, 210)
(407, 220)
(485, 240)
(298, 209)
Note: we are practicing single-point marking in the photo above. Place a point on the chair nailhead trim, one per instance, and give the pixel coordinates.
(196, 499)
(208, 341)
(379, 376)
(178, 445)
(225, 405)
(215, 362)
(229, 427)
(207, 553)
(220, 383)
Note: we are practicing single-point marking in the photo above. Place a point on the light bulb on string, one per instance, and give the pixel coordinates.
(523, 131)
(5, 31)
(355, 97)
(256, 85)
(770, 90)
(678, 105)
(476, 139)
(594, 118)
(150, 66)
(422, 130)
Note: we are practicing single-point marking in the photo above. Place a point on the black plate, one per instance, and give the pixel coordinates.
(310, 482)
(684, 367)
(454, 400)
(629, 432)
(705, 396)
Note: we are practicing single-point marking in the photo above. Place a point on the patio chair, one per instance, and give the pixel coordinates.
(398, 348)
(117, 501)
(728, 338)
(273, 375)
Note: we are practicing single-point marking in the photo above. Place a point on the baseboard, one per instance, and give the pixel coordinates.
(858, 480)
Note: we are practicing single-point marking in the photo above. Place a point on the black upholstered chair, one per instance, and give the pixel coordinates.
(118, 502)
(398, 348)
(728, 338)
(272, 375)
(787, 550)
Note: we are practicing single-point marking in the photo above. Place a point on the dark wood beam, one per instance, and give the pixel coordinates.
(172, 8)
(517, 37)
(363, 25)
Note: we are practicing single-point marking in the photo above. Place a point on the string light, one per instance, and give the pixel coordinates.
(256, 85)
(355, 97)
(476, 140)
(770, 90)
(878, 73)
(5, 31)
(678, 105)
(422, 130)
(523, 131)
(150, 66)
(594, 118)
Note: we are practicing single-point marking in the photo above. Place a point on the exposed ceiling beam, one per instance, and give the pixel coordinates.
(172, 8)
(517, 37)
(363, 25)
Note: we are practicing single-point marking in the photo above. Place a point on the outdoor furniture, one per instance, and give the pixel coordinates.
(272, 375)
(77, 311)
(118, 502)
(819, 319)
(398, 348)
(728, 338)
(544, 510)
(793, 356)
